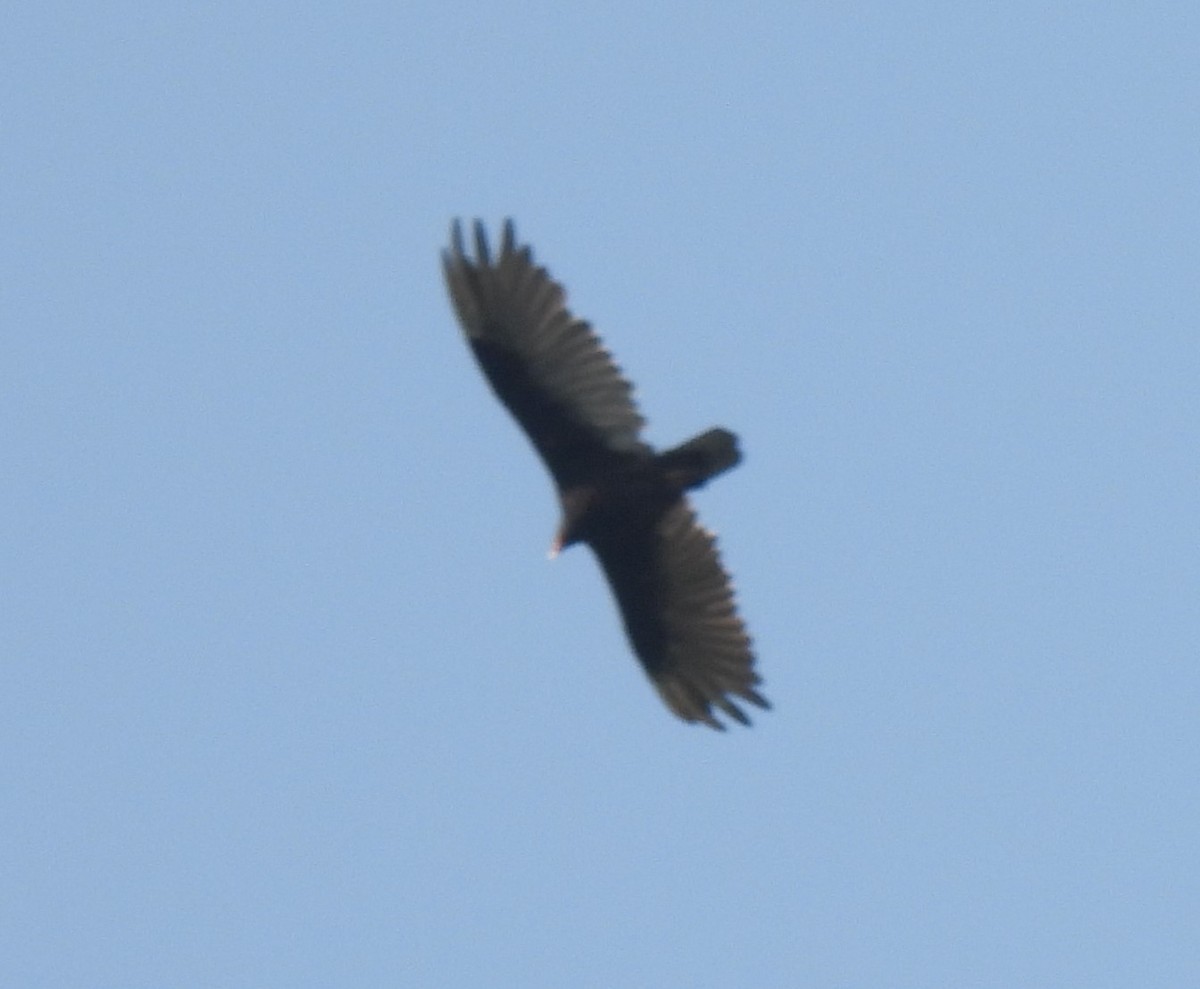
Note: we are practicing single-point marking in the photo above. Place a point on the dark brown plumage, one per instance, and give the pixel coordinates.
(622, 499)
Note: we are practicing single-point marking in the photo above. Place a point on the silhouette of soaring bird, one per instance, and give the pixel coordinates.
(620, 497)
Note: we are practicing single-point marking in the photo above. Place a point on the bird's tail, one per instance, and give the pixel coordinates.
(701, 458)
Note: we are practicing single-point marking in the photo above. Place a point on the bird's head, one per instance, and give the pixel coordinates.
(576, 503)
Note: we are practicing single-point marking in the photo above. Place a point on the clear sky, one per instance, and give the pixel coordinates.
(289, 693)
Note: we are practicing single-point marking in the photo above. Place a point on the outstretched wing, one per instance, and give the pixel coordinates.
(677, 603)
(548, 367)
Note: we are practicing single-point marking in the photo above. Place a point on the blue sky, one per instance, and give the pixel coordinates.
(289, 694)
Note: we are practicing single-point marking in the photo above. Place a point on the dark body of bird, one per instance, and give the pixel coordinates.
(620, 497)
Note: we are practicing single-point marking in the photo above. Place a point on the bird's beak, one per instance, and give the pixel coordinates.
(556, 545)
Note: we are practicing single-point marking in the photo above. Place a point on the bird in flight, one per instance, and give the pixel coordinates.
(618, 496)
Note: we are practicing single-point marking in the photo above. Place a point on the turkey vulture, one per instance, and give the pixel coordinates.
(618, 495)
